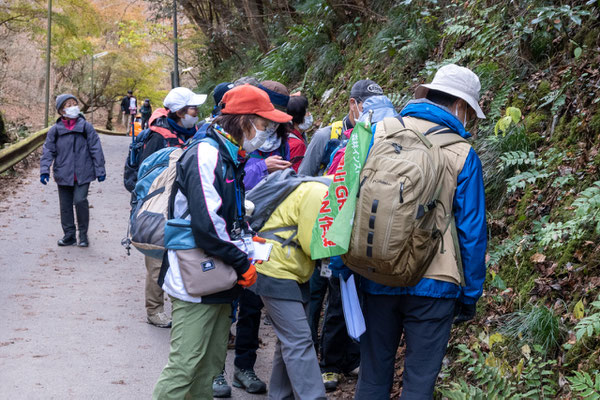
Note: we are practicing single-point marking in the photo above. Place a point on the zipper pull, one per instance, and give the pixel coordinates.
(397, 148)
(401, 190)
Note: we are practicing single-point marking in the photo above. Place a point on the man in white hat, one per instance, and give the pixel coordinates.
(453, 283)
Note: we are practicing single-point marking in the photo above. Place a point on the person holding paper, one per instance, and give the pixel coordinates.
(283, 285)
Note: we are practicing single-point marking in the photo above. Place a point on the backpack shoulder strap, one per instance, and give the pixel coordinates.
(214, 144)
(271, 234)
(439, 129)
(393, 125)
(446, 139)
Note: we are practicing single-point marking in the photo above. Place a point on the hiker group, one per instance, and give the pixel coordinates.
(370, 234)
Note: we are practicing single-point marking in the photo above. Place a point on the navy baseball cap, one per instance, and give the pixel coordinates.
(220, 90)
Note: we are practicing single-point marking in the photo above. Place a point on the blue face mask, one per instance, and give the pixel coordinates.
(307, 123)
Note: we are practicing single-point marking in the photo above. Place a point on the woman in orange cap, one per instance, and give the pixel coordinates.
(209, 193)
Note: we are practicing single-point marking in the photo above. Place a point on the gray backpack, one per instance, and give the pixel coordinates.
(268, 194)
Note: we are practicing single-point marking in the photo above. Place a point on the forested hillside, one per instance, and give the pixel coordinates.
(537, 332)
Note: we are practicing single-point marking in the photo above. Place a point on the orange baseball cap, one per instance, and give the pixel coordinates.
(248, 99)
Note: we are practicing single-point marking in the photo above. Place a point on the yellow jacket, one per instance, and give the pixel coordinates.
(299, 209)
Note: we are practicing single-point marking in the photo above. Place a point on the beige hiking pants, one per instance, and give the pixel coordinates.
(155, 297)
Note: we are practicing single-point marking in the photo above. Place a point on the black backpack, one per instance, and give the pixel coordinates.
(132, 164)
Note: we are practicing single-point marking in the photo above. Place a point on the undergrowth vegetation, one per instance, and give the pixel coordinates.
(537, 333)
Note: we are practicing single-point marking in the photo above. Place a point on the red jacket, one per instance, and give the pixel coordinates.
(297, 148)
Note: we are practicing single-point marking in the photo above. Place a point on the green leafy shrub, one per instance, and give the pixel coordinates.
(586, 216)
(590, 325)
(493, 378)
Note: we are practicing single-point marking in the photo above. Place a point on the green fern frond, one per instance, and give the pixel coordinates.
(518, 158)
(585, 386)
(521, 180)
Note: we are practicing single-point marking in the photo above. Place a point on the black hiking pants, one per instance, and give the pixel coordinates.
(426, 324)
(246, 335)
(68, 197)
(318, 290)
(339, 353)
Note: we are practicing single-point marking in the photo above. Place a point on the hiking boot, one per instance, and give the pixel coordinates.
(247, 379)
(331, 380)
(67, 241)
(220, 386)
(83, 241)
(160, 320)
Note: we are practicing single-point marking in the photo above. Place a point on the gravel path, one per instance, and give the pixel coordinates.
(72, 320)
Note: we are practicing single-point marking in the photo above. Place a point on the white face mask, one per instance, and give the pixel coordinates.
(464, 118)
(188, 121)
(353, 109)
(72, 112)
(307, 123)
(250, 145)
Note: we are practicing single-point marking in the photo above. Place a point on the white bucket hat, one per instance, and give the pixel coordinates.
(457, 81)
(180, 97)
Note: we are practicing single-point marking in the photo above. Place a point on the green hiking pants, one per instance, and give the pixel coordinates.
(198, 348)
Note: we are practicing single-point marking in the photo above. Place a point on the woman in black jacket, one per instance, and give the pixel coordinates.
(74, 148)
(209, 193)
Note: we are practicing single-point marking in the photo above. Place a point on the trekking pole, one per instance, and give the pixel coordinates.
(126, 241)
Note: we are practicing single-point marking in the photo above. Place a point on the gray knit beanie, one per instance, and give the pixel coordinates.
(61, 98)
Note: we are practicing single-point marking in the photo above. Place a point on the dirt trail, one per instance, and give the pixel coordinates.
(72, 320)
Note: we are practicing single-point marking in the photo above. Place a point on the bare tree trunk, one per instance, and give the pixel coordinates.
(109, 117)
(253, 9)
(3, 136)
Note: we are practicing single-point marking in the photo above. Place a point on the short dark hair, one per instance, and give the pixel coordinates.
(235, 124)
(441, 98)
(297, 106)
(130, 92)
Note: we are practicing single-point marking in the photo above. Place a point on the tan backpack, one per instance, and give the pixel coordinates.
(400, 218)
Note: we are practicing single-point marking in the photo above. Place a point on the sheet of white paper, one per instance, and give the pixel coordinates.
(262, 251)
(355, 321)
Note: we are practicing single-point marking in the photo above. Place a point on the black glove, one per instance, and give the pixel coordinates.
(464, 312)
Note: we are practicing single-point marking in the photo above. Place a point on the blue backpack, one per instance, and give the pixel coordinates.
(150, 203)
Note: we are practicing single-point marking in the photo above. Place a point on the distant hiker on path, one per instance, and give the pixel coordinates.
(146, 112)
(125, 108)
(74, 151)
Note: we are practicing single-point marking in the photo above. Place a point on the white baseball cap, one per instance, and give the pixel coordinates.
(180, 97)
(457, 81)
